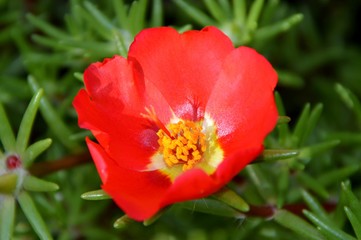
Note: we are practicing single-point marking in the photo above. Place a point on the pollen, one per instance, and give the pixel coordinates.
(184, 144)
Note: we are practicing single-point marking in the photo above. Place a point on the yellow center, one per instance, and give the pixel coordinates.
(184, 143)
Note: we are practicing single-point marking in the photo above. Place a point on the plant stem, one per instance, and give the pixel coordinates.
(267, 211)
(48, 167)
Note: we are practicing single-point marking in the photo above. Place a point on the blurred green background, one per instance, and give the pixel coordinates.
(315, 46)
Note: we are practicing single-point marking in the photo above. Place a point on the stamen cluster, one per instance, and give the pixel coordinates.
(185, 144)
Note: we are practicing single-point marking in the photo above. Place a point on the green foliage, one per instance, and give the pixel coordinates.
(105, 35)
(297, 224)
(233, 19)
(33, 215)
(14, 182)
(6, 133)
(95, 195)
(291, 191)
(7, 217)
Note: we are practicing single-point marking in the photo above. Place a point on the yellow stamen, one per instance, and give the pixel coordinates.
(182, 143)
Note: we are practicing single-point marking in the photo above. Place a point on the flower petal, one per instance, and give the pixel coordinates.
(117, 85)
(242, 102)
(126, 140)
(184, 67)
(139, 194)
(112, 106)
(187, 75)
(195, 183)
(192, 184)
(235, 162)
(89, 116)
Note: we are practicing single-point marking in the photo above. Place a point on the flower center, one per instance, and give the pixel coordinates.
(184, 143)
(13, 162)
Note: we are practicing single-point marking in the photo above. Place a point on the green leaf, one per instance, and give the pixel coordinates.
(350, 100)
(212, 207)
(265, 33)
(261, 181)
(283, 129)
(95, 195)
(81, 135)
(184, 28)
(137, 16)
(312, 184)
(157, 14)
(57, 59)
(154, 218)
(34, 150)
(121, 13)
(298, 225)
(347, 138)
(215, 10)
(79, 76)
(225, 5)
(196, 14)
(27, 122)
(283, 119)
(7, 216)
(239, 11)
(351, 200)
(270, 155)
(35, 184)
(32, 214)
(355, 222)
(52, 118)
(98, 15)
(232, 199)
(280, 105)
(94, 23)
(123, 222)
(337, 175)
(311, 123)
(254, 13)
(98, 233)
(6, 133)
(338, 215)
(72, 22)
(47, 28)
(310, 151)
(301, 125)
(8, 182)
(102, 49)
(325, 227)
(286, 78)
(50, 42)
(283, 183)
(122, 42)
(315, 206)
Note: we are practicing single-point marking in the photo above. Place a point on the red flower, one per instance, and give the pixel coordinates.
(177, 119)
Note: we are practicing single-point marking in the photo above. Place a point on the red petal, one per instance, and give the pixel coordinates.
(235, 162)
(184, 67)
(195, 183)
(123, 137)
(116, 85)
(242, 102)
(89, 116)
(139, 194)
(112, 111)
(192, 184)
(178, 70)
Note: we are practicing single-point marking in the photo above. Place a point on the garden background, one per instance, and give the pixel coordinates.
(306, 185)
